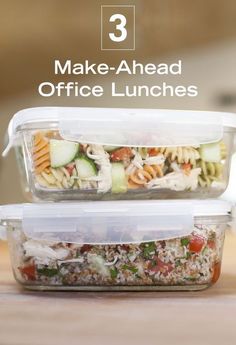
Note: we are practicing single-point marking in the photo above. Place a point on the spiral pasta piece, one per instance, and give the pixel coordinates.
(57, 178)
(60, 178)
(223, 150)
(140, 177)
(143, 151)
(41, 157)
(181, 154)
(209, 172)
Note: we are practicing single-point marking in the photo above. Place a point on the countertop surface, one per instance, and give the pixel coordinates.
(48, 318)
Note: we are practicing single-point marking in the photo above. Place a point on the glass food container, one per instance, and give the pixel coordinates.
(119, 245)
(109, 154)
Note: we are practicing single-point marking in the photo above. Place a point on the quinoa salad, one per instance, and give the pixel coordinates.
(192, 260)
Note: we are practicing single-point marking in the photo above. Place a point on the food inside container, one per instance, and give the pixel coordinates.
(135, 245)
(95, 153)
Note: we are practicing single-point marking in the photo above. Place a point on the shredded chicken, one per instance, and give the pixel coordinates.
(159, 159)
(177, 180)
(42, 252)
(97, 264)
(138, 161)
(102, 159)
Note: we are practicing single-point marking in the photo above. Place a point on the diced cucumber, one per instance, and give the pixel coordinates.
(62, 152)
(210, 152)
(119, 182)
(108, 148)
(85, 167)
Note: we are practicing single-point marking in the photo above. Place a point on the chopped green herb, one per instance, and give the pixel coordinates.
(113, 272)
(130, 268)
(138, 276)
(184, 242)
(177, 263)
(149, 249)
(204, 250)
(48, 272)
(187, 256)
(191, 278)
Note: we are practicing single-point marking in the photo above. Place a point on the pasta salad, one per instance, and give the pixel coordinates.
(62, 164)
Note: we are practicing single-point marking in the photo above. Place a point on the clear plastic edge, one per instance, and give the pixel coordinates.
(32, 115)
(109, 225)
(96, 225)
(3, 233)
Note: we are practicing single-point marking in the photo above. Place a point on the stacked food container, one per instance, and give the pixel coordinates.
(124, 198)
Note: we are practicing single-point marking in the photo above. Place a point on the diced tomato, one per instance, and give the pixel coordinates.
(153, 151)
(211, 244)
(157, 265)
(122, 154)
(216, 272)
(187, 166)
(70, 168)
(196, 243)
(124, 247)
(29, 272)
(85, 248)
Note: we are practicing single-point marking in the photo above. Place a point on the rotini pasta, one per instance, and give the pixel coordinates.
(63, 178)
(57, 178)
(223, 150)
(140, 177)
(60, 178)
(41, 155)
(181, 154)
(209, 172)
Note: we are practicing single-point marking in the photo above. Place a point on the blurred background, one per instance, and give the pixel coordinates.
(200, 32)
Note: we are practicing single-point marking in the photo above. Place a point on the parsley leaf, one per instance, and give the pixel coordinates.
(184, 242)
(130, 268)
(113, 272)
(48, 272)
(149, 249)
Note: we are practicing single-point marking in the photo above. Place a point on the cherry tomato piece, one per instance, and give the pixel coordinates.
(158, 265)
(122, 154)
(153, 151)
(85, 248)
(29, 272)
(196, 243)
(124, 247)
(216, 272)
(186, 166)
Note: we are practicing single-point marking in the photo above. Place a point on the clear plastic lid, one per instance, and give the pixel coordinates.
(127, 127)
(111, 222)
